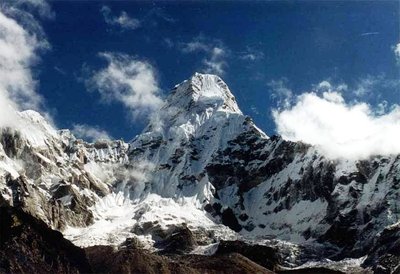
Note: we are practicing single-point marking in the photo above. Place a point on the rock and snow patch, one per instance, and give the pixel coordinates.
(118, 217)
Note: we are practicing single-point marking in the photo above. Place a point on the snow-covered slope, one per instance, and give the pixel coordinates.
(197, 120)
(201, 162)
(201, 145)
(168, 161)
(51, 174)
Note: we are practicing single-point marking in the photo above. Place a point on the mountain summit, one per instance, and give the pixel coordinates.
(203, 90)
(193, 102)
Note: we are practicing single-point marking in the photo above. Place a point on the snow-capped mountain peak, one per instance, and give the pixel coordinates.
(202, 91)
(200, 100)
(35, 128)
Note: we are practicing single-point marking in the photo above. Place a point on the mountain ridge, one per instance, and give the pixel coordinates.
(200, 162)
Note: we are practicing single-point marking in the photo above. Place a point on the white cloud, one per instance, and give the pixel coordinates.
(216, 62)
(366, 85)
(21, 39)
(90, 133)
(326, 86)
(397, 52)
(19, 7)
(128, 81)
(251, 55)
(339, 129)
(195, 45)
(280, 93)
(123, 20)
(214, 50)
(376, 86)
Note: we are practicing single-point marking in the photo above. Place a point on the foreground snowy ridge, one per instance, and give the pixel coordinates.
(203, 164)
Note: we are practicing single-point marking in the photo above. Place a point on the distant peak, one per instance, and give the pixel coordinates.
(32, 115)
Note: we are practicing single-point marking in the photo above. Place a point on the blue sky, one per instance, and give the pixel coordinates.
(267, 53)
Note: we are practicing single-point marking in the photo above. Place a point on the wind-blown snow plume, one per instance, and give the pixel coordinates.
(21, 39)
(216, 52)
(215, 64)
(339, 129)
(129, 81)
(90, 133)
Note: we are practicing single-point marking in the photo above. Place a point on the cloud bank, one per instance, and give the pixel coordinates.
(129, 81)
(21, 40)
(340, 129)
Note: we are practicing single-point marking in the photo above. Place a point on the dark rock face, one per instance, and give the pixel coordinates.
(227, 263)
(179, 240)
(27, 244)
(11, 142)
(105, 259)
(52, 179)
(260, 254)
(229, 219)
(384, 256)
(251, 162)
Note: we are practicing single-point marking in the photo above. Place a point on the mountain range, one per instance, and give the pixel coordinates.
(202, 186)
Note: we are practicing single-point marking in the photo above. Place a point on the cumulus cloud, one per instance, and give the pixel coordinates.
(340, 129)
(129, 81)
(90, 133)
(21, 40)
(123, 20)
(214, 50)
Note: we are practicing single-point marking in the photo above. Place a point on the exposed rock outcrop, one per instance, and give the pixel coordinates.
(27, 244)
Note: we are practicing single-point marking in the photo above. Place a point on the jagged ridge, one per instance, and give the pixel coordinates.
(203, 162)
